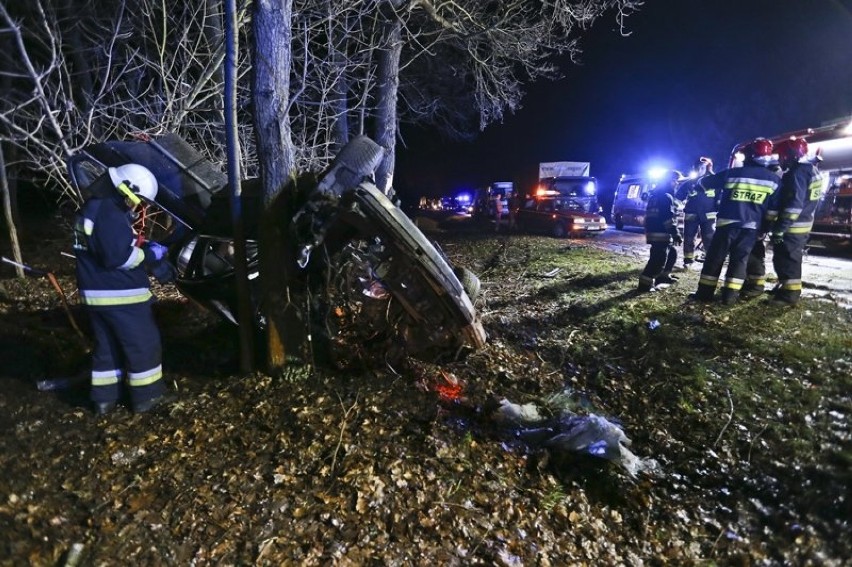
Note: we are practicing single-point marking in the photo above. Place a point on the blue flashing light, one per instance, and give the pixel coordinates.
(463, 198)
(656, 172)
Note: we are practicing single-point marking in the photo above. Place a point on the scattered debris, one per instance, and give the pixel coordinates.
(570, 432)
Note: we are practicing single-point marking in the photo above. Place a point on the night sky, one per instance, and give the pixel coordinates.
(694, 78)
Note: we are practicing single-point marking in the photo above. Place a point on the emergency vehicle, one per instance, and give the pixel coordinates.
(831, 145)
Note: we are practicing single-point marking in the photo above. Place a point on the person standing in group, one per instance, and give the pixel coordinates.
(746, 194)
(498, 211)
(662, 233)
(112, 277)
(699, 210)
(514, 205)
(800, 192)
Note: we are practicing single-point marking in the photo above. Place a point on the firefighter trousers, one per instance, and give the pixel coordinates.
(735, 244)
(787, 261)
(661, 261)
(756, 269)
(127, 351)
(693, 226)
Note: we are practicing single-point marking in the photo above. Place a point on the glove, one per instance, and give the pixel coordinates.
(677, 239)
(157, 250)
(164, 272)
(777, 238)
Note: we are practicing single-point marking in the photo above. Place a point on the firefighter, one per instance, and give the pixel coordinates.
(800, 192)
(662, 233)
(755, 282)
(746, 193)
(699, 212)
(114, 286)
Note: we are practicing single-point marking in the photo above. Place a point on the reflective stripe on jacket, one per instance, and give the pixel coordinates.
(801, 190)
(110, 267)
(747, 193)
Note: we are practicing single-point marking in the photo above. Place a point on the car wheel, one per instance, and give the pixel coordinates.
(619, 222)
(559, 230)
(470, 282)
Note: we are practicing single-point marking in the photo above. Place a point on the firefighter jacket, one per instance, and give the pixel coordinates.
(697, 199)
(747, 194)
(110, 266)
(800, 192)
(661, 217)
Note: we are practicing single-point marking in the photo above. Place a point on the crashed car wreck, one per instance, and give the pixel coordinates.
(375, 277)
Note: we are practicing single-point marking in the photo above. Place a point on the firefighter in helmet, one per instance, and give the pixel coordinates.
(662, 233)
(699, 212)
(112, 277)
(746, 193)
(799, 195)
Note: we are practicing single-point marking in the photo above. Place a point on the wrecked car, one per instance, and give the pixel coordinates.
(381, 279)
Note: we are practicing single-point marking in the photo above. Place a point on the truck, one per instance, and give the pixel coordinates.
(570, 181)
(563, 169)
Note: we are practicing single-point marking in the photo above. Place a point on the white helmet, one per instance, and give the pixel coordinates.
(135, 182)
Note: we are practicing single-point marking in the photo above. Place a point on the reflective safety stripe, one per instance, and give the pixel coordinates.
(791, 213)
(107, 297)
(801, 227)
(688, 255)
(749, 190)
(734, 283)
(725, 222)
(815, 188)
(771, 215)
(146, 378)
(711, 216)
(690, 216)
(137, 256)
(708, 280)
(758, 281)
(791, 285)
(105, 377)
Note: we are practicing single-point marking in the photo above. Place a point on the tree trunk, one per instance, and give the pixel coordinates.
(246, 328)
(271, 86)
(387, 90)
(10, 214)
(339, 89)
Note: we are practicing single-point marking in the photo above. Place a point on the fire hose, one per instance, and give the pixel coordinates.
(53, 281)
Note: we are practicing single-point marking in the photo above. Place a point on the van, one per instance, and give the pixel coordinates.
(631, 198)
(485, 200)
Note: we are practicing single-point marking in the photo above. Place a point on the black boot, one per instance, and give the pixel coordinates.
(730, 296)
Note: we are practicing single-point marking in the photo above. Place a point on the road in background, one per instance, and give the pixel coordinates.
(827, 272)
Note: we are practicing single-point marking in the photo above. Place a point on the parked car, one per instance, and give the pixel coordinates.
(558, 216)
(379, 275)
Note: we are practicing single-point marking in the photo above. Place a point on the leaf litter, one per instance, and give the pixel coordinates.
(364, 464)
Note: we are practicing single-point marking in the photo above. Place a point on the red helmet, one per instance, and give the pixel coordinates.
(759, 150)
(791, 150)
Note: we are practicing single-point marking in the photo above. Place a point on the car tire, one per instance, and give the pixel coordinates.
(357, 160)
(619, 222)
(470, 282)
(559, 230)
